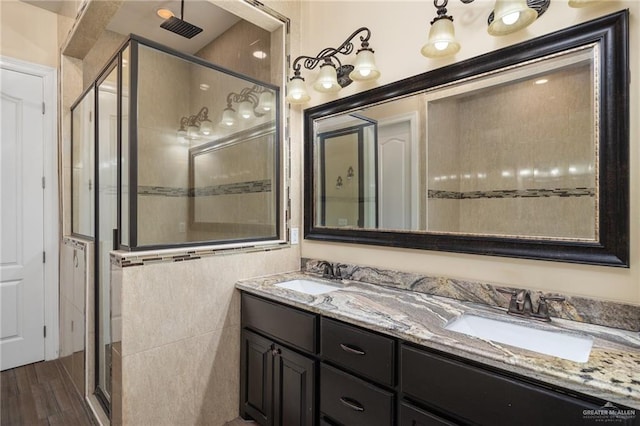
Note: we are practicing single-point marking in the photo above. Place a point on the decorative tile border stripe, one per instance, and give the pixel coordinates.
(513, 193)
(231, 188)
(234, 188)
(163, 191)
(574, 308)
(128, 259)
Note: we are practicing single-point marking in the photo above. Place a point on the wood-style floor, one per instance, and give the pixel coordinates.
(41, 394)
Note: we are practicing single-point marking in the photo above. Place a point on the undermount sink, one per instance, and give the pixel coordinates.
(555, 343)
(308, 287)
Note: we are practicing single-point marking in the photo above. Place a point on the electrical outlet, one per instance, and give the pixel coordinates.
(342, 222)
(294, 236)
(182, 227)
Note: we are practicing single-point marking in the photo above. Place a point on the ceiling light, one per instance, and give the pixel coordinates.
(204, 86)
(165, 13)
(259, 54)
(542, 81)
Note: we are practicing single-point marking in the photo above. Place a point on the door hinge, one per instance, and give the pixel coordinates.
(43, 108)
(44, 182)
(45, 331)
(44, 257)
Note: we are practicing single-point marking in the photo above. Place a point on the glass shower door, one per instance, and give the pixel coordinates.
(107, 222)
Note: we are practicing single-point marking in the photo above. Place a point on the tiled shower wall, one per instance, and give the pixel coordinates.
(492, 155)
(178, 360)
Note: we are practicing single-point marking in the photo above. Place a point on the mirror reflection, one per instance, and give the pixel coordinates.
(505, 153)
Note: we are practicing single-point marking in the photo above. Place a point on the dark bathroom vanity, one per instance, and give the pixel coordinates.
(302, 367)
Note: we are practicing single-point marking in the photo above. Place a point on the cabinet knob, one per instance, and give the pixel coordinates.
(351, 403)
(352, 349)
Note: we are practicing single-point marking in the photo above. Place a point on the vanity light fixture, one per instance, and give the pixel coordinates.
(333, 74)
(507, 17)
(194, 126)
(252, 102)
(350, 173)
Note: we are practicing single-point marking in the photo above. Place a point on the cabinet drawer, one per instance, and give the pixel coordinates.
(480, 396)
(352, 401)
(361, 351)
(414, 416)
(283, 323)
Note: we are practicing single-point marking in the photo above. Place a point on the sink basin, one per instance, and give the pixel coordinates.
(567, 346)
(308, 287)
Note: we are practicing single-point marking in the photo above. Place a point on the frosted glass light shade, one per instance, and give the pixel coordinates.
(582, 3)
(510, 16)
(365, 66)
(296, 91)
(245, 110)
(442, 40)
(192, 132)
(206, 127)
(228, 117)
(327, 81)
(265, 102)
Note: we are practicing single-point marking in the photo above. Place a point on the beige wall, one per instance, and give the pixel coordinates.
(398, 56)
(28, 33)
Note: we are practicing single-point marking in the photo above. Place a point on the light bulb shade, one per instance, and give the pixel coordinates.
(228, 117)
(245, 110)
(265, 102)
(296, 91)
(442, 39)
(327, 81)
(365, 66)
(192, 132)
(510, 16)
(206, 127)
(582, 3)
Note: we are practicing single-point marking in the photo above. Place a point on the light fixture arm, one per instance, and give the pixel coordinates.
(328, 54)
(247, 94)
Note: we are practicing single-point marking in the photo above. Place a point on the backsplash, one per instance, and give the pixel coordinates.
(610, 314)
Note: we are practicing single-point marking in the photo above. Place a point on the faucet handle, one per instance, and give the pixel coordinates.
(513, 302)
(543, 306)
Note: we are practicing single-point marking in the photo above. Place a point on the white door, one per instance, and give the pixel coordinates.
(395, 158)
(22, 247)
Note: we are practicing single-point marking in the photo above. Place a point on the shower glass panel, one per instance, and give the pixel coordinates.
(124, 149)
(82, 160)
(186, 106)
(107, 162)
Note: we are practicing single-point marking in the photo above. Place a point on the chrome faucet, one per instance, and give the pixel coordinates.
(520, 304)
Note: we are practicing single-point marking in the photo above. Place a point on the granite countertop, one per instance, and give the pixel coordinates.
(611, 373)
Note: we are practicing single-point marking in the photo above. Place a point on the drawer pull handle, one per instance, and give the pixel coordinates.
(351, 403)
(352, 349)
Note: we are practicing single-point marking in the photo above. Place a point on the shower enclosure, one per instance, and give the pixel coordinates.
(170, 151)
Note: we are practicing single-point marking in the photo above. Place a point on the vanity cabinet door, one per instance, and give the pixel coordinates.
(256, 378)
(478, 396)
(358, 350)
(352, 401)
(294, 384)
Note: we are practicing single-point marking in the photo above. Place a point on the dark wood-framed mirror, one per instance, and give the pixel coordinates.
(521, 152)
